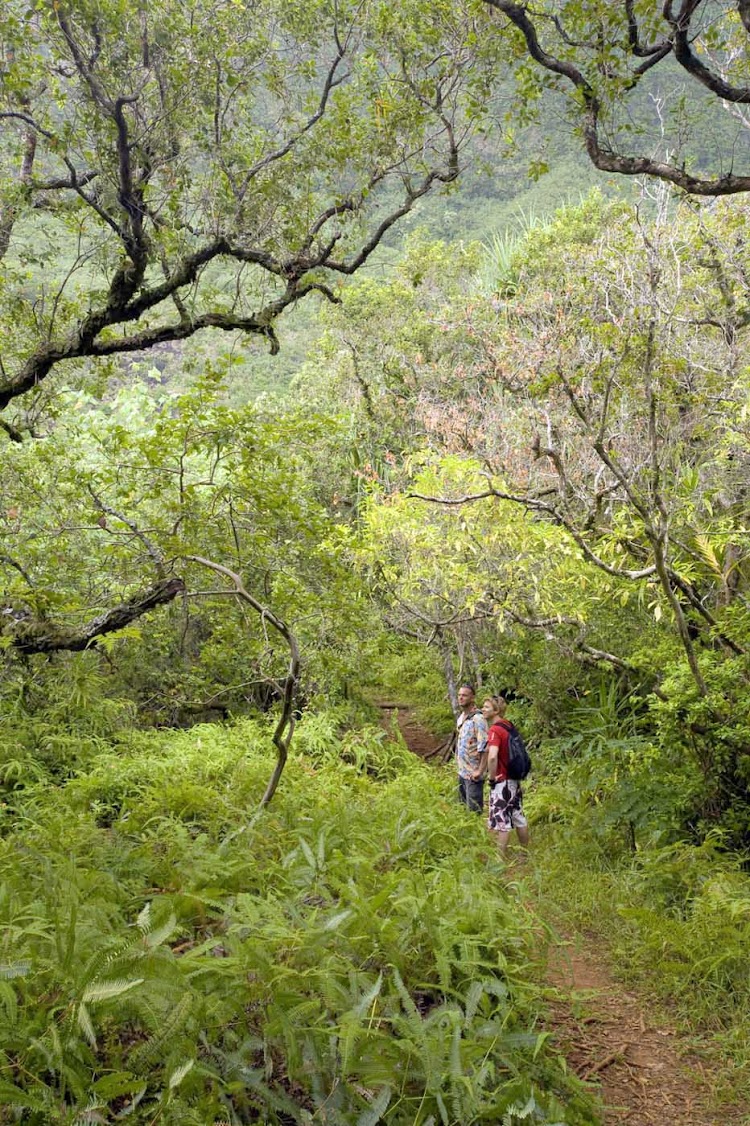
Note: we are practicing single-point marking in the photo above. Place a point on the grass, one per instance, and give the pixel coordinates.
(674, 922)
(351, 955)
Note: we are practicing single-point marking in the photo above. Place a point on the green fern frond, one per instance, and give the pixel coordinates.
(179, 1074)
(14, 969)
(117, 1084)
(374, 1113)
(12, 1096)
(86, 1025)
(145, 1054)
(473, 997)
(9, 1001)
(458, 1080)
(366, 1000)
(406, 997)
(308, 853)
(143, 922)
(154, 938)
(106, 990)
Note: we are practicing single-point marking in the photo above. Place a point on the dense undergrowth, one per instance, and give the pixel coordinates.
(348, 956)
(674, 915)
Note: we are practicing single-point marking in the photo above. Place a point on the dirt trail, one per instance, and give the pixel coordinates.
(416, 737)
(610, 1035)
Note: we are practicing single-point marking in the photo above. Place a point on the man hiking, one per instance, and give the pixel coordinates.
(471, 750)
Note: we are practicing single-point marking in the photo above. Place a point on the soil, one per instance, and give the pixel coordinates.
(612, 1037)
(417, 738)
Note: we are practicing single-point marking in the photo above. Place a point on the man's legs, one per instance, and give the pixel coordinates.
(504, 837)
(471, 794)
(474, 795)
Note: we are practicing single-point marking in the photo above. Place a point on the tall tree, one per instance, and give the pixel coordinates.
(206, 166)
(191, 166)
(599, 382)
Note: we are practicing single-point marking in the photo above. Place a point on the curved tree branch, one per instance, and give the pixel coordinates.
(532, 504)
(602, 156)
(284, 730)
(689, 61)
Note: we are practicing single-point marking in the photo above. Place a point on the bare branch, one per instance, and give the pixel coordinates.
(156, 554)
(331, 82)
(413, 194)
(284, 730)
(19, 115)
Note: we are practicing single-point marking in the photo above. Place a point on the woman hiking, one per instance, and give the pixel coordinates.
(506, 796)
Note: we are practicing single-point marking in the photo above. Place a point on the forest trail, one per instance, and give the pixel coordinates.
(417, 738)
(611, 1036)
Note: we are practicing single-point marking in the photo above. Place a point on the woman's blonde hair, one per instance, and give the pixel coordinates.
(499, 703)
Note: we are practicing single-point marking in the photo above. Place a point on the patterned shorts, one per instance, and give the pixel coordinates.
(506, 807)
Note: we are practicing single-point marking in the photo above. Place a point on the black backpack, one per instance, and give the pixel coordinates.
(519, 761)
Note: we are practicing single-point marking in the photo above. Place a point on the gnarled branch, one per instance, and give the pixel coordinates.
(284, 730)
(37, 636)
(604, 158)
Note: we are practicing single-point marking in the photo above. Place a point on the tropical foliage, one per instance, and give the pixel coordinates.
(170, 958)
(520, 460)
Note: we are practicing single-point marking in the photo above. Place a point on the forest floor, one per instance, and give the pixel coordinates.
(636, 1061)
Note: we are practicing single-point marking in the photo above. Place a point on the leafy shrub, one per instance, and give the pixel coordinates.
(174, 955)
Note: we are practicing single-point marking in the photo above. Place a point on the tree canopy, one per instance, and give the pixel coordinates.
(603, 52)
(201, 167)
(207, 166)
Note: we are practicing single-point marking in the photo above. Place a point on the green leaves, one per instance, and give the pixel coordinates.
(342, 951)
(106, 990)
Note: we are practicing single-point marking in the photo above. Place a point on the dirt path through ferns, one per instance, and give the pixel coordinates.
(611, 1036)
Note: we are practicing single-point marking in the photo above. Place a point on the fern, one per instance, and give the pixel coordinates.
(179, 1074)
(145, 1055)
(106, 990)
(375, 1112)
(341, 956)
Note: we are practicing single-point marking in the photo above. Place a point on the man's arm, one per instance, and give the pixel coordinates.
(480, 727)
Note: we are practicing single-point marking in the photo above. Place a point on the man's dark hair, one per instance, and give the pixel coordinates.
(471, 688)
